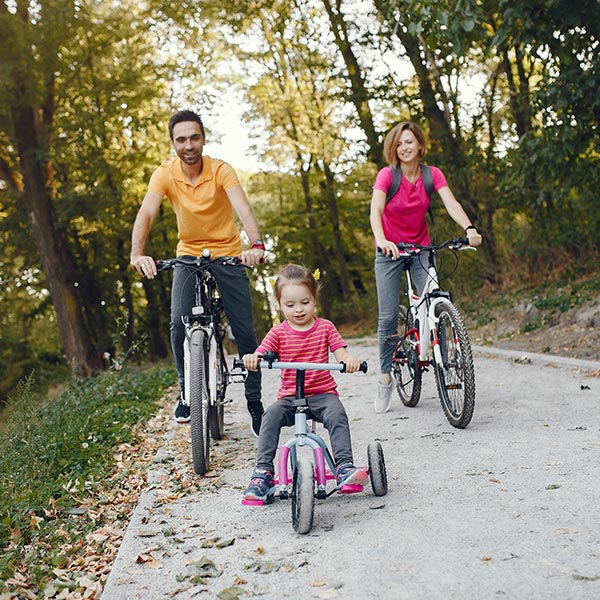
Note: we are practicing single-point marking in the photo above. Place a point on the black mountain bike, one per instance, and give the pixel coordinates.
(206, 374)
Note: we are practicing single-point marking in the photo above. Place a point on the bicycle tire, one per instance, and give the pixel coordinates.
(303, 495)
(405, 367)
(455, 376)
(216, 411)
(377, 470)
(199, 403)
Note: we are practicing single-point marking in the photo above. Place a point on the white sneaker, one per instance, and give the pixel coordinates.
(384, 397)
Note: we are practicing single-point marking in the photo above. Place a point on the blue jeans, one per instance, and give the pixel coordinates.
(325, 408)
(234, 287)
(388, 277)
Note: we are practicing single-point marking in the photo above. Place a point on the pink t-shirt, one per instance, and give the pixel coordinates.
(403, 218)
(312, 345)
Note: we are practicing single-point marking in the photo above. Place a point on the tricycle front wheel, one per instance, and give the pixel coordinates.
(303, 495)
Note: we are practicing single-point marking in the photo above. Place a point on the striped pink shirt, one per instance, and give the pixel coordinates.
(312, 345)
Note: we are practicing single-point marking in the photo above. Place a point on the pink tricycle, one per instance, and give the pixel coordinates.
(304, 474)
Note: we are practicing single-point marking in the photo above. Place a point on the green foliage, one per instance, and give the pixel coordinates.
(54, 456)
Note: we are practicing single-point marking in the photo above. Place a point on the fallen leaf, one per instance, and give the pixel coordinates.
(231, 593)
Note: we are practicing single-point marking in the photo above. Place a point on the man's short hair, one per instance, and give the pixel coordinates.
(182, 116)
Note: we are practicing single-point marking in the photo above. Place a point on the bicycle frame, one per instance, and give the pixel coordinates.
(434, 333)
(206, 374)
(422, 309)
(206, 315)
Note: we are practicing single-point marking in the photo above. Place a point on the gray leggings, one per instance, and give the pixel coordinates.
(325, 408)
(388, 276)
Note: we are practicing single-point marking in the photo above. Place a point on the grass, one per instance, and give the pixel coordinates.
(57, 460)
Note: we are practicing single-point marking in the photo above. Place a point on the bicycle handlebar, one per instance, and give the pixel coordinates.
(455, 244)
(238, 363)
(200, 262)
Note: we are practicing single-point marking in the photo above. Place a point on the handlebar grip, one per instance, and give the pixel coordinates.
(363, 367)
(238, 363)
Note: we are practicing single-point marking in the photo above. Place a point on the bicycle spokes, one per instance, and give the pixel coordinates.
(454, 369)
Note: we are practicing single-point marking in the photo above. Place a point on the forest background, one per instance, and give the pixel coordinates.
(508, 93)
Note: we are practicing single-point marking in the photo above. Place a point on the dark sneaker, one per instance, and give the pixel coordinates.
(261, 489)
(348, 474)
(256, 411)
(182, 411)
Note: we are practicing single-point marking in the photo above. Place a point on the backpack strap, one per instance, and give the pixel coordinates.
(397, 180)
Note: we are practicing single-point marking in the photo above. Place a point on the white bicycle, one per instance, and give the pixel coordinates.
(431, 331)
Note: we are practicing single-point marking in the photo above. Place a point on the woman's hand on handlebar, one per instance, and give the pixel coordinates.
(474, 237)
(389, 249)
(251, 361)
(144, 265)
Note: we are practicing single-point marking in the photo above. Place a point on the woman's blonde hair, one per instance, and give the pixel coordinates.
(298, 275)
(393, 137)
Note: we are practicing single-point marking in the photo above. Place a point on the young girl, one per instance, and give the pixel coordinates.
(302, 337)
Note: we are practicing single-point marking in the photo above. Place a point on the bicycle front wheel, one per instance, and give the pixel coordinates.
(199, 400)
(218, 385)
(455, 373)
(405, 367)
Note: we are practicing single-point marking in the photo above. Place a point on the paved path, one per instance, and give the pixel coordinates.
(508, 508)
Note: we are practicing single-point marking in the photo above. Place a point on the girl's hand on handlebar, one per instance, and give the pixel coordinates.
(352, 363)
(251, 361)
(252, 257)
(144, 265)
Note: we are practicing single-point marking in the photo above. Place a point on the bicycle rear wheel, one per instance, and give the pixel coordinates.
(218, 385)
(455, 375)
(405, 368)
(199, 403)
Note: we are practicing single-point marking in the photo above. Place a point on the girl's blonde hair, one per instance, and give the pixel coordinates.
(393, 137)
(298, 275)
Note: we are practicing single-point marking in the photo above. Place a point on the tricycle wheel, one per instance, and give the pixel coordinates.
(303, 495)
(377, 472)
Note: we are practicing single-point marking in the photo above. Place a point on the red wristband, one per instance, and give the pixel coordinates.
(258, 244)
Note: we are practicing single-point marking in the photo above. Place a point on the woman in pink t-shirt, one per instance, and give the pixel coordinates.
(402, 219)
(302, 337)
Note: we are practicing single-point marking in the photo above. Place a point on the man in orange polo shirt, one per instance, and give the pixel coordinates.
(205, 195)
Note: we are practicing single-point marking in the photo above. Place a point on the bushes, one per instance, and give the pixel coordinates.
(55, 456)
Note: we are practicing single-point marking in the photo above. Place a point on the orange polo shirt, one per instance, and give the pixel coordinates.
(205, 217)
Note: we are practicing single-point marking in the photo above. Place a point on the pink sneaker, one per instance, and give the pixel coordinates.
(349, 475)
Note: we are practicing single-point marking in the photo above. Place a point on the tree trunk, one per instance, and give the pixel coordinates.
(360, 95)
(57, 262)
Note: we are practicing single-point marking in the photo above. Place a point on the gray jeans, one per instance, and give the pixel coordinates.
(388, 276)
(234, 287)
(325, 408)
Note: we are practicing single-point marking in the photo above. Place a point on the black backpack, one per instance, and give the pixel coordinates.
(397, 180)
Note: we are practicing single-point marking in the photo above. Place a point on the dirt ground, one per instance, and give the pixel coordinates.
(574, 333)
(506, 508)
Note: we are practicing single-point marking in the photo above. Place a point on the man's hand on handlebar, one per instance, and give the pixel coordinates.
(144, 265)
(252, 257)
